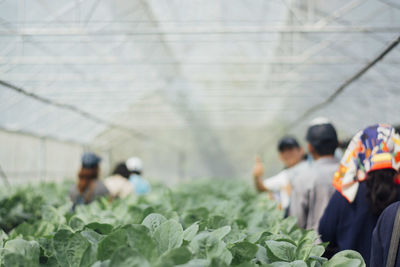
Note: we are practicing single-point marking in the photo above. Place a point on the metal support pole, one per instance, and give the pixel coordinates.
(181, 165)
(4, 177)
(43, 158)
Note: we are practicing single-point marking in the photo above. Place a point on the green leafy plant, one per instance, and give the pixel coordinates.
(223, 223)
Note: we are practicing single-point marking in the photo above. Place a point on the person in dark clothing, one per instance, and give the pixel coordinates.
(366, 184)
(381, 237)
(89, 187)
(349, 225)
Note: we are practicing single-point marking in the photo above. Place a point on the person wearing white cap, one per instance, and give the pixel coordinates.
(312, 189)
(135, 167)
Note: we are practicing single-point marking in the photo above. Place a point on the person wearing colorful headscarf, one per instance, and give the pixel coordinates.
(366, 183)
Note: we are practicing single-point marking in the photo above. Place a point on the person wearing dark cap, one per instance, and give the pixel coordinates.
(89, 186)
(292, 156)
(366, 183)
(312, 189)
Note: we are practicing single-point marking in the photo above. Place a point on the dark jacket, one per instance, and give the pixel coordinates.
(349, 225)
(381, 237)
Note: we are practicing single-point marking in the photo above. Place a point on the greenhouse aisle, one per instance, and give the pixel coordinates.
(199, 133)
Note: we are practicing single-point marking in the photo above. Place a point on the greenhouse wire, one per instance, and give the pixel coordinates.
(82, 113)
(352, 79)
(337, 92)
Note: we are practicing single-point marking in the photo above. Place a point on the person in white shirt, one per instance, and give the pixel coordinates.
(118, 183)
(293, 157)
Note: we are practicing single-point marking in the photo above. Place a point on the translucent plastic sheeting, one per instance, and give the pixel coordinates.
(208, 84)
(25, 159)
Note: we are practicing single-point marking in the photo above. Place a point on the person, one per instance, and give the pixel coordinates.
(118, 183)
(312, 188)
(135, 167)
(381, 238)
(89, 186)
(365, 184)
(293, 157)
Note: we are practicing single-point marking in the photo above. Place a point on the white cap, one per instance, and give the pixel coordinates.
(319, 121)
(134, 164)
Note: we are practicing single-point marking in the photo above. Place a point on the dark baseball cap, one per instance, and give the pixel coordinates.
(90, 160)
(287, 142)
(320, 133)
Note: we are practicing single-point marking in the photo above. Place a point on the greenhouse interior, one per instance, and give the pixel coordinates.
(199, 133)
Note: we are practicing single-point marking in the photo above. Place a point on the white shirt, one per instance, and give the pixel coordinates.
(282, 181)
(118, 186)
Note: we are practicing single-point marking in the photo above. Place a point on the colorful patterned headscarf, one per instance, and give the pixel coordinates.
(374, 148)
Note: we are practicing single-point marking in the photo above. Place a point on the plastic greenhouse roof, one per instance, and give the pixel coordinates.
(157, 64)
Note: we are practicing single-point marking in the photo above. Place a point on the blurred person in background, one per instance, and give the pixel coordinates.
(89, 186)
(312, 188)
(382, 248)
(366, 183)
(135, 167)
(293, 158)
(118, 183)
